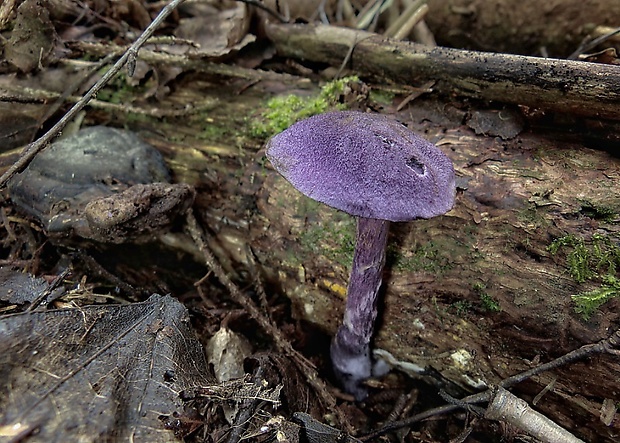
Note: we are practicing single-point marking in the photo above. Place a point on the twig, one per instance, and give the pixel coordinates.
(180, 61)
(283, 345)
(247, 409)
(370, 16)
(31, 150)
(400, 23)
(48, 291)
(347, 57)
(6, 8)
(28, 95)
(506, 407)
(608, 345)
(574, 87)
(257, 282)
(83, 78)
(586, 46)
(424, 89)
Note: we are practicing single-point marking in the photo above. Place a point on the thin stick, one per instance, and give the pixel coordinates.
(586, 46)
(608, 345)
(507, 407)
(283, 345)
(48, 291)
(413, 20)
(31, 150)
(393, 29)
(29, 95)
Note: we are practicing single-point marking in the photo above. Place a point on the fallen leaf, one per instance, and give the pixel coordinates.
(97, 373)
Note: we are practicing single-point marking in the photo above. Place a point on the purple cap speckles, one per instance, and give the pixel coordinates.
(365, 164)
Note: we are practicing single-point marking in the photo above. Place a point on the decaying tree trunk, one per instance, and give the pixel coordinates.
(559, 85)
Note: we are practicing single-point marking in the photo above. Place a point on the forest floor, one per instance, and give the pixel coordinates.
(521, 272)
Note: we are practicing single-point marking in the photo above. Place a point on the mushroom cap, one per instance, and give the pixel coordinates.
(368, 165)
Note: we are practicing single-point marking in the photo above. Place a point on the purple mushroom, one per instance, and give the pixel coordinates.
(376, 169)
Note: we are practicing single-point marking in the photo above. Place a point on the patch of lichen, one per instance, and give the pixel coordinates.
(282, 111)
(595, 259)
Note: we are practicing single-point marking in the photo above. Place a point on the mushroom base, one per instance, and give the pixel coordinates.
(351, 361)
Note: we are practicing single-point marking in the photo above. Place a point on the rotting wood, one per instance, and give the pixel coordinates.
(163, 58)
(573, 87)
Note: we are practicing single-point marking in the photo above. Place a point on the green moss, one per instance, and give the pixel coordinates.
(333, 90)
(587, 303)
(532, 216)
(601, 212)
(382, 97)
(283, 111)
(462, 307)
(487, 301)
(585, 261)
(119, 91)
(214, 132)
(597, 259)
(434, 256)
(426, 257)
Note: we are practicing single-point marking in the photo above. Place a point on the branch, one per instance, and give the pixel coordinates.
(567, 86)
(506, 407)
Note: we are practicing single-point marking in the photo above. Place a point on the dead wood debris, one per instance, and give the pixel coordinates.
(129, 57)
(306, 367)
(587, 89)
(496, 410)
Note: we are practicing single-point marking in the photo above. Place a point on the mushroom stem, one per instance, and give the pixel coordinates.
(350, 348)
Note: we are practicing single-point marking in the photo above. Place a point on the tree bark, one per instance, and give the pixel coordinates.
(559, 85)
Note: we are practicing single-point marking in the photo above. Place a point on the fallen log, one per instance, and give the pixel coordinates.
(573, 87)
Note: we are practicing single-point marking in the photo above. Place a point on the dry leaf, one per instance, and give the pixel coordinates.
(98, 373)
(33, 39)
